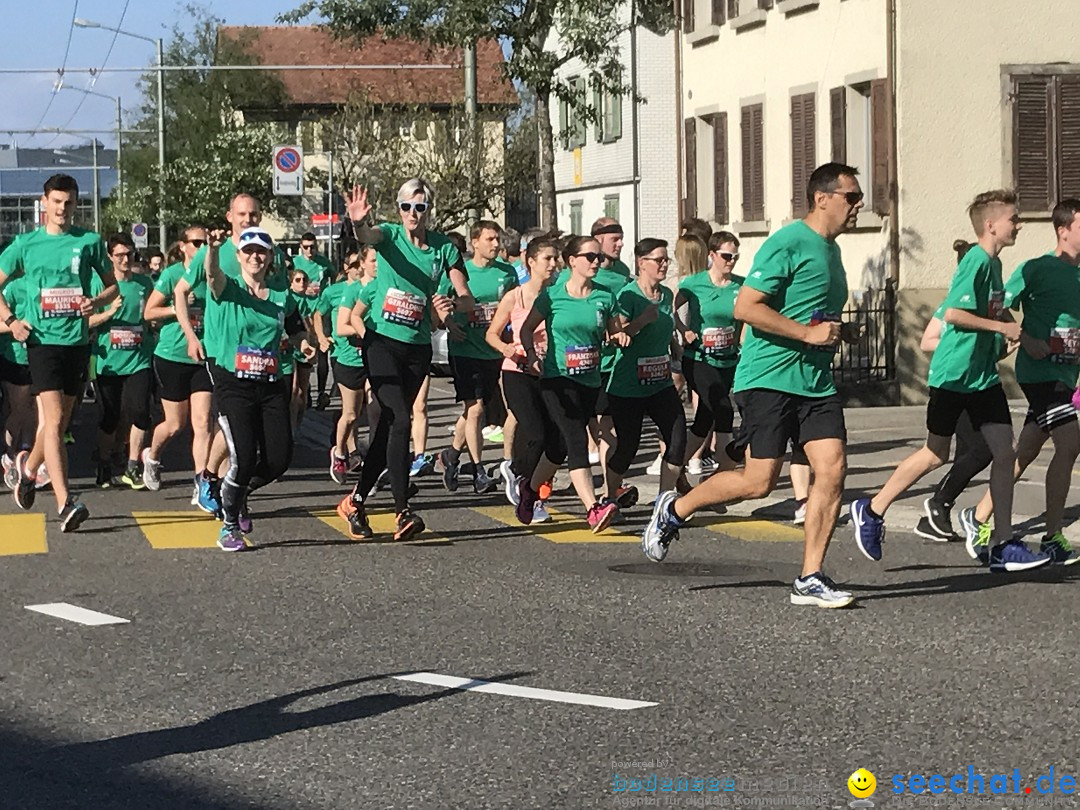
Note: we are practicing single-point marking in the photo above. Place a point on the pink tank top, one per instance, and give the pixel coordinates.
(517, 317)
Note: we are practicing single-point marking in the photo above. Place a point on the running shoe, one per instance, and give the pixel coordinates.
(11, 475)
(73, 514)
(936, 525)
(195, 490)
(43, 478)
(976, 536)
(654, 468)
(709, 464)
(24, 484)
(338, 468)
(323, 402)
(540, 513)
(482, 483)
(526, 502)
(1015, 556)
(869, 529)
(594, 459)
(800, 513)
(69, 438)
(450, 470)
(244, 519)
(209, 497)
(422, 464)
(817, 590)
(506, 469)
(494, 434)
(132, 477)
(1059, 548)
(694, 466)
(626, 497)
(354, 513)
(151, 471)
(356, 461)
(8, 464)
(511, 484)
(408, 525)
(104, 475)
(662, 528)
(601, 514)
(545, 490)
(231, 539)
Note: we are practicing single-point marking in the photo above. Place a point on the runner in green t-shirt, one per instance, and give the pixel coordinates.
(473, 363)
(320, 273)
(57, 262)
(252, 392)
(398, 307)
(123, 346)
(963, 378)
(791, 301)
(1047, 290)
(183, 384)
(640, 381)
(20, 411)
(579, 318)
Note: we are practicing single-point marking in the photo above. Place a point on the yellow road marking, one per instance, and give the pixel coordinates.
(23, 534)
(563, 528)
(754, 529)
(382, 523)
(189, 529)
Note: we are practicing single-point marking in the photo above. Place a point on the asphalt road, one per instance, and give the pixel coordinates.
(267, 679)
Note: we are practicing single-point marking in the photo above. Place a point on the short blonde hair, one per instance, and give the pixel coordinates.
(417, 185)
(984, 202)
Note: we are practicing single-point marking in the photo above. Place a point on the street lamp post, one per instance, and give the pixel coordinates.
(119, 131)
(81, 23)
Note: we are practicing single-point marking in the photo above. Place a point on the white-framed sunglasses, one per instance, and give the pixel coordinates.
(419, 207)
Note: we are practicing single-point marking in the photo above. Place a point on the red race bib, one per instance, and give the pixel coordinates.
(125, 337)
(60, 302)
(256, 364)
(582, 359)
(403, 308)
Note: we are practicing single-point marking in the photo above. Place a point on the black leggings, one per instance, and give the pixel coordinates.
(125, 395)
(536, 431)
(570, 406)
(713, 387)
(322, 371)
(665, 409)
(397, 371)
(254, 418)
(972, 457)
(21, 421)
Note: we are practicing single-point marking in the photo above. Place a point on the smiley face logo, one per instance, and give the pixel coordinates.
(862, 784)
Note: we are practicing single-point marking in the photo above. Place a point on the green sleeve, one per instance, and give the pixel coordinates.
(771, 271)
(444, 287)
(970, 277)
(626, 305)
(1016, 288)
(349, 296)
(367, 295)
(11, 258)
(195, 269)
(101, 259)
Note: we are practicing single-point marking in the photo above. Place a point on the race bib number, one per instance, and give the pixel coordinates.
(718, 340)
(582, 360)
(60, 302)
(481, 315)
(653, 370)
(403, 308)
(1065, 346)
(125, 337)
(195, 315)
(256, 364)
(995, 305)
(820, 316)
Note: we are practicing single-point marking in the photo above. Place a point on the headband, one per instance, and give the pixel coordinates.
(614, 227)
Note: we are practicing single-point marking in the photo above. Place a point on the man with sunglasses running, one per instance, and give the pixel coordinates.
(791, 301)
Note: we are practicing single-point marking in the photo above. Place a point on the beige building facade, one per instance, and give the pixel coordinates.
(932, 101)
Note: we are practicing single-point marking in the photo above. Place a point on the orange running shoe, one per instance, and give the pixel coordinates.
(544, 492)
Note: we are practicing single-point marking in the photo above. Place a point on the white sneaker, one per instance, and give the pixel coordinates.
(42, 477)
(540, 514)
(151, 471)
(693, 467)
(658, 463)
(800, 514)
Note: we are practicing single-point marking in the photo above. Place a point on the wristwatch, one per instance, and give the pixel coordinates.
(10, 319)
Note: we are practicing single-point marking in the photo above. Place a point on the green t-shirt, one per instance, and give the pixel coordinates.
(407, 278)
(253, 344)
(575, 329)
(966, 359)
(318, 270)
(613, 279)
(172, 342)
(802, 273)
(644, 367)
(14, 292)
(58, 268)
(487, 285)
(1047, 289)
(346, 349)
(124, 342)
(711, 316)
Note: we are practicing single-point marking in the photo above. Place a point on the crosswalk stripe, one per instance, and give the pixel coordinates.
(383, 524)
(754, 530)
(172, 530)
(563, 528)
(23, 534)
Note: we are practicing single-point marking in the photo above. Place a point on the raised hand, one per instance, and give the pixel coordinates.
(356, 204)
(216, 237)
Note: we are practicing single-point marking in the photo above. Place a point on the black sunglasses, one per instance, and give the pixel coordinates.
(852, 197)
(196, 242)
(590, 257)
(353, 264)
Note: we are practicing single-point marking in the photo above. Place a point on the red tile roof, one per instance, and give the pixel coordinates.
(310, 45)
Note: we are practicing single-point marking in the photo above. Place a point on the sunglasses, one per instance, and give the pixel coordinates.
(353, 265)
(728, 257)
(198, 243)
(307, 247)
(852, 197)
(660, 260)
(255, 250)
(590, 257)
(411, 206)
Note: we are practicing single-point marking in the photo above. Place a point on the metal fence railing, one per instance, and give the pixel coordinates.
(873, 358)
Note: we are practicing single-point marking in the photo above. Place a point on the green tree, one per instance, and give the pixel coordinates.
(588, 31)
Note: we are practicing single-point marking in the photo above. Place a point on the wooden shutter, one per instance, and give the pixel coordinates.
(598, 110)
(803, 149)
(613, 118)
(753, 169)
(1068, 137)
(732, 9)
(719, 12)
(879, 126)
(688, 16)
(564, 123)
(1033, 165)
(690, 150)
(838, 123)
(720, 168)
(765, 4)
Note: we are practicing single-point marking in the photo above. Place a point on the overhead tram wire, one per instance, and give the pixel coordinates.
(63, 66)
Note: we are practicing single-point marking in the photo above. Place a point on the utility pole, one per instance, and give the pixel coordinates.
(97, 192)
(161, 142)
(470, 123)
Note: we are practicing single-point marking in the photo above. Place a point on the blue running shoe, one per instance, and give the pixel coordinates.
(423, 464)
(1015, 556)
(662, 529)
(869, 530)
(208, 500)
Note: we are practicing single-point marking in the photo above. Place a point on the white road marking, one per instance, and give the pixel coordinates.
(74, 613)
(529, 692)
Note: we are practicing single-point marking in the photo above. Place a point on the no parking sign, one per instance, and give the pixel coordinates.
(288, 166)
(139, 234)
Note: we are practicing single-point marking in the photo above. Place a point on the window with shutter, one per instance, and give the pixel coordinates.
(598, 110)
(879, 146)
(719, 12)
(803, 149)
(720, 168)
(1032, 150)
(613, 118)
(838, 123)
(1068, 137)
(753, 159)
(688, 16)
(732, 9)
(690, 150)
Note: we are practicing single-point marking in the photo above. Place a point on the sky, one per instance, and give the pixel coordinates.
(39, 34)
